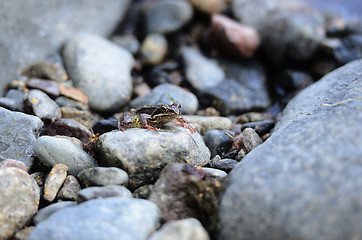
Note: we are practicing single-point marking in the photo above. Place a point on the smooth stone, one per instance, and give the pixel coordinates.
(215, 173)
(291, 29)
(105, 125)
(166, 16)
(54, 181)
(244, 90)
(260, 127)
(160, 95)
(109, 218)
(69, 190)
(17, 137)
(128, 42)
(251, 139)
(305, 179)
(225, 164)
(19, 200)
(12, 163)
(41, 105)
(8, 103)
(53, 150)
(185, 229)
(201, 72)
(46, 212)
(210, 122)
(14, 100)
(101, 69)
(108, 191)
(154, 48)
(27, 41)
(67, 102)
(143, 153)
(102, 176)
(217, 141)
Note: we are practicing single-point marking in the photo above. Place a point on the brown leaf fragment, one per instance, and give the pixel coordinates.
(73, 93)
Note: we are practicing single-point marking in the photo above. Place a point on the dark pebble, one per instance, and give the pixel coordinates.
(225, 164)
(261, 127)
(217, 141)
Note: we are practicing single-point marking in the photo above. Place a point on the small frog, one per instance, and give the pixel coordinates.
(151, 117)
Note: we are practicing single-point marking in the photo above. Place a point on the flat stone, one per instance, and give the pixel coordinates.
(304, 180)
(19, 200)
(109, 218)
(69, 190)
(28, 40)
(41, 105)
(54, 181)
(160, 95)
(99, 68)
(102, 176)
(185, 229)
(108, 191)
(18, 133)
(143, 153)
(53, 150)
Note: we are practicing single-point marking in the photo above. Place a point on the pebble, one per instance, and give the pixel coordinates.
(309, 161)
(46, 212)
(210, 122)
(49, 87)
(201, 72)
(160, 95)
(19, 200)
(209, 6)
(153, 49)
(67, 102)
(108, 218)
(105, 125)
(54, 181)
(251, 139)
(217, 141)
(12, 163)
(42, 105)
(92, 62)
(167, 72)
(261, 127)
(17, 137)
(185, 229)
(69, 190)
(102, 176)
(46, 70)
(145, 152)
(143, 191)
(233, 38)
(8, 103)
(183, 191)
(13, 100)
(166, 16)
(128, 42)
(350, 49)
(108, 191)
(214, 173)
(225, 164)
(23, 234)
(52, 150)
(295, 80)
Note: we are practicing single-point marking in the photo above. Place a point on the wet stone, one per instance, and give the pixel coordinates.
(19, 200)
(108, 191)
(69, 190)
(200, 71)
(217, 141)
(251, 139)
(128, 42)
(93, 62)
(52, 150)
(225, 164)
(160, 95)
(143, 191)
(102, 176)
(46, 212)
(17, 137)
(54, 181)
(185, 229)
(142, 153)
(109, 218)
(166, 16)
(12, 163)
(154, 48)
(41, 105)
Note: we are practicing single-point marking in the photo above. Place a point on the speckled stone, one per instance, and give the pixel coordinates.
(69, 190)
(54, 181)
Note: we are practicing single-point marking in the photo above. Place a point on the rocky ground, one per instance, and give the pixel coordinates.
(272, 88)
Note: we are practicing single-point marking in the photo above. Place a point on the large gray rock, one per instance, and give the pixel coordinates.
(304, 181)
(110, 218)
(35, 28)
(101, 69)
(18, 132)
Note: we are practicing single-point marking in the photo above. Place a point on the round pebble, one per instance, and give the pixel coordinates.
(153, 49)
(102, 176)
(42, 105)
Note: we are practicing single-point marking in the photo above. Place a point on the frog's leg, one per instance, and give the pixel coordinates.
(143, 121)
(184, 123)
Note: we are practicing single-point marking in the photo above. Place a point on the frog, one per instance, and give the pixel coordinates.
(151, 117)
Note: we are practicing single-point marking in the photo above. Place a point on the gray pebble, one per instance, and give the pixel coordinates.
(19, 200)
(217, 141)
(160, 95)
(251, 139)
(210, 122)
(110, 218)
(42, 105)
(102, 176)
(8, 103)
(128, 42)
(166, 16)
(200, 71)
(154, 48)
(144, 152)
(101, 69)
(225, 164)
(69, 190)
(46, 212)
(18, 133)
(54, 181)
(108, 191)
(53, 150)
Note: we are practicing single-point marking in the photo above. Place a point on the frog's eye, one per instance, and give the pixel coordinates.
(164, 108)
